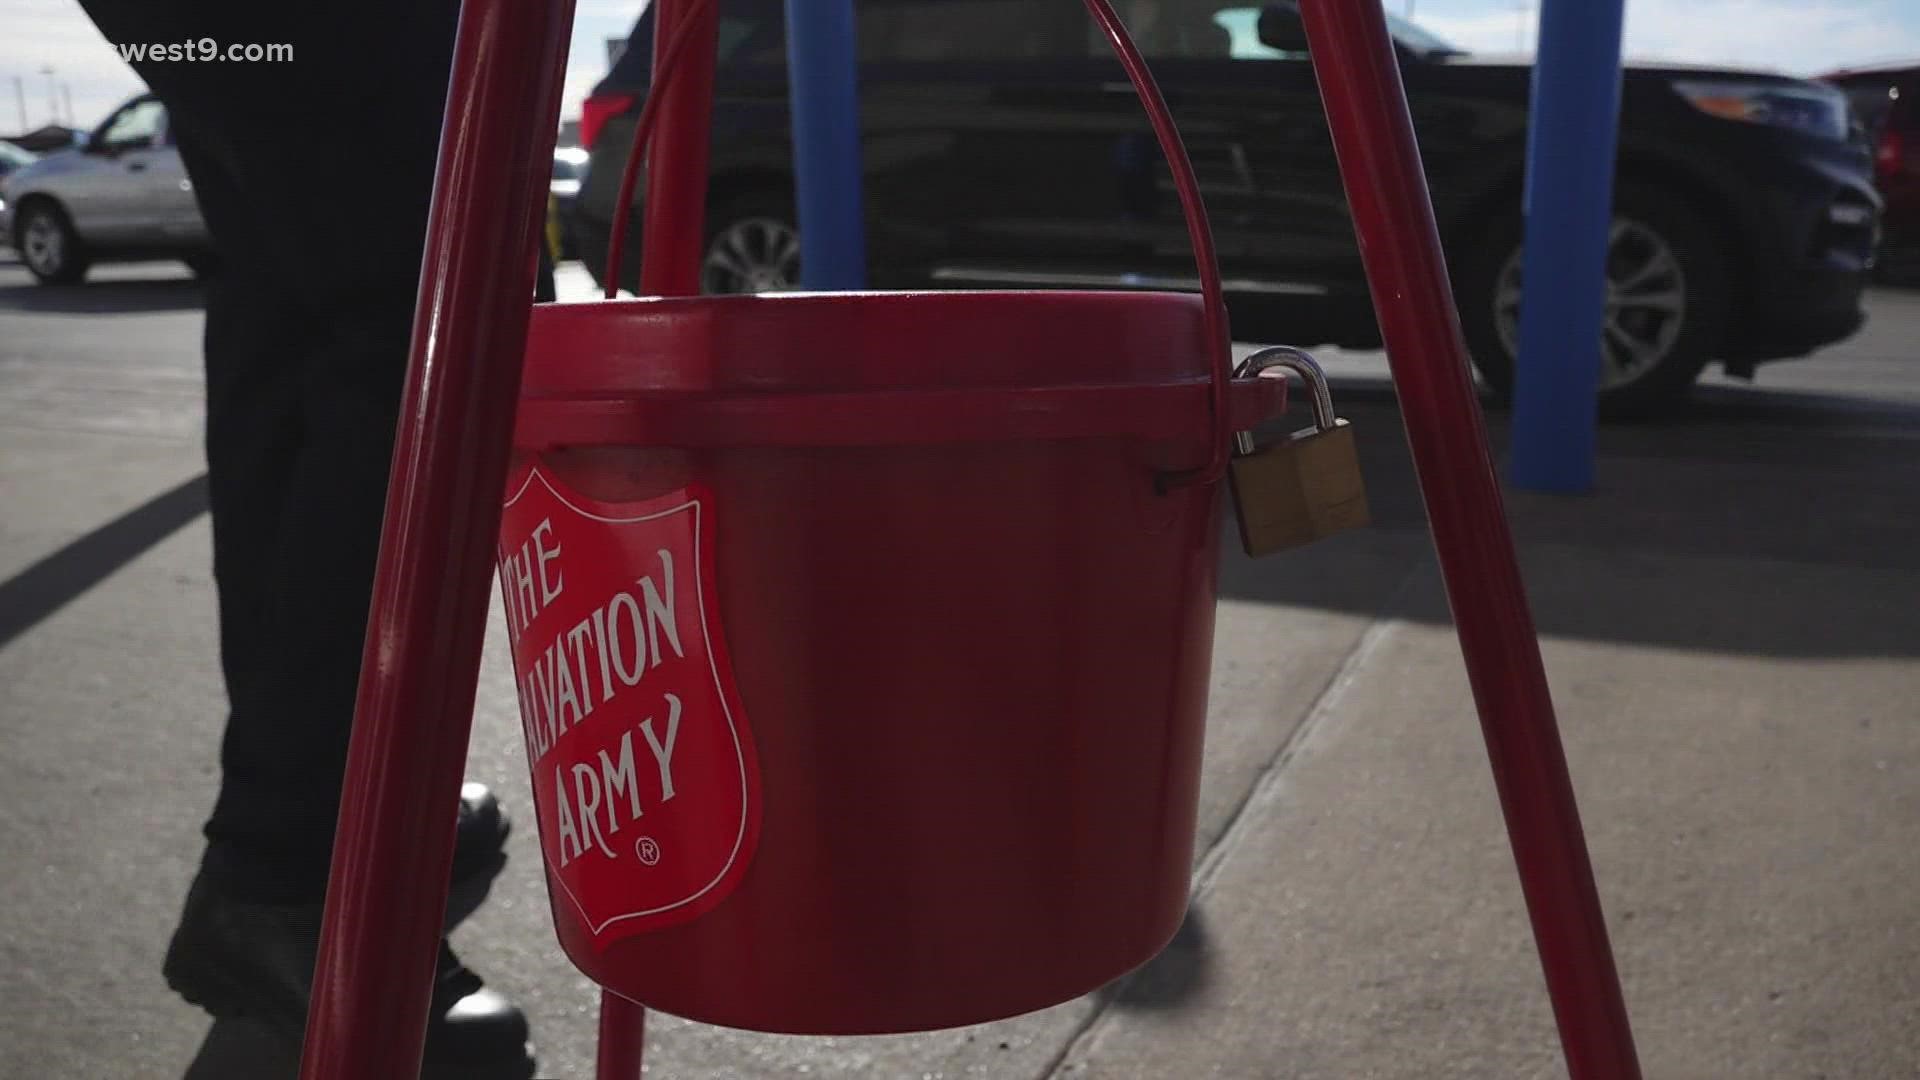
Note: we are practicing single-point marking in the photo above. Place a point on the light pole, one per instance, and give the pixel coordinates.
(53, 94)
(20, 97)
(66, 97)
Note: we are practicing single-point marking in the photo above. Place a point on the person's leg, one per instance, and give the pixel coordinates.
(307, 338)
(255, 338)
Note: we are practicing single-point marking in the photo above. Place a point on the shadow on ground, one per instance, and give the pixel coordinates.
(105, 297)
(1176, 978)
(240, 1050)
(1807, 480)
(243, 1050)
(49, 584)
(1813, 482)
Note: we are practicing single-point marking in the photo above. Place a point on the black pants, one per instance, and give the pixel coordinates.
(314, 177)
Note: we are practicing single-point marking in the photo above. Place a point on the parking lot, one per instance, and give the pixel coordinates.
(1730, 624)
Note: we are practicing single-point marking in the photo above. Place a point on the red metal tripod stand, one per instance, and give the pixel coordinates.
(443, 513)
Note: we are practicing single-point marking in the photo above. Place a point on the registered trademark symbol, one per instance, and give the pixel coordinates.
(647, 850)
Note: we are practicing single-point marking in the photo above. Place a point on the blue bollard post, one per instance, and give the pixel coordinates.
(823, 85)
(1573, 131)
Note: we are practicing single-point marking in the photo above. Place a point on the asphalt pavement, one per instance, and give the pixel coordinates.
(1730, 624)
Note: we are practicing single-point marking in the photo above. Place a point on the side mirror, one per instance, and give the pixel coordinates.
(1280, 28)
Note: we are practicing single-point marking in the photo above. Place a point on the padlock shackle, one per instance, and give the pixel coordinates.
(1301, 363)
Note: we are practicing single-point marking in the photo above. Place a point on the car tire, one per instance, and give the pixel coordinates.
(48, 245)
(1668, 308)
(752, 245)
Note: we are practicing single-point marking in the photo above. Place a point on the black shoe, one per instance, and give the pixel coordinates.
(254, 962)
(479, 851)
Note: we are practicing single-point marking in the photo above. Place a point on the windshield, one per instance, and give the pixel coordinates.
(12, 157)
(1420, 40)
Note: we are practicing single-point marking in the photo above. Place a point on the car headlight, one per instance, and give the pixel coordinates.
(1811, 110)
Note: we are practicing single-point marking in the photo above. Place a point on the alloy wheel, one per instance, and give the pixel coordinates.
(1646, 303)
(752, 255)
(43, 244)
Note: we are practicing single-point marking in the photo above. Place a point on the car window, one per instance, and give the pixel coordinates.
(754, 38)
(1419, 39)
(751, 32)
(736, 34)
(1243, 29)
(136, 125)
(1227, 30)
(1190, 30)
(941, 31)
(12, 157)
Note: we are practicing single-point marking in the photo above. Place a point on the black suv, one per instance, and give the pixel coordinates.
(1004, 148)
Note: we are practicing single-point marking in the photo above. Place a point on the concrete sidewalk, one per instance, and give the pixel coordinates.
(1730, 626)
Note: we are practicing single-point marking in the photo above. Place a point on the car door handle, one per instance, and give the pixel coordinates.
(136, 166)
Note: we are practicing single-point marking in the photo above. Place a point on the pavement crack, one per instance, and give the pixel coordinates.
(1263, 789)
(1335, 688)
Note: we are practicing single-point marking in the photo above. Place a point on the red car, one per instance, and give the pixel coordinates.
(1886, 99)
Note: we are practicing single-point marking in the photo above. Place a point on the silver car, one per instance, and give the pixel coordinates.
(122, 196)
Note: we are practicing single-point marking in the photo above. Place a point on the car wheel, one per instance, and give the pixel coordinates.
(1666, 309)
(49, 246)
(752, 247)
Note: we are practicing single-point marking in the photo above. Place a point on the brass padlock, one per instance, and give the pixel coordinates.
(1305, 486)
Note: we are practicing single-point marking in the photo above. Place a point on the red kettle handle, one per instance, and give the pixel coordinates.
(1219, 341)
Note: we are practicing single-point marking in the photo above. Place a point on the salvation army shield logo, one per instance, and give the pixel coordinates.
(644, 775)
